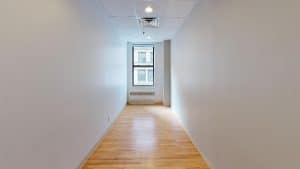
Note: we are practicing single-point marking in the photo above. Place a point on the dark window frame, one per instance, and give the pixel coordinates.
(143, 66)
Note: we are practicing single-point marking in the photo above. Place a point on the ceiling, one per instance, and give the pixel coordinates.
(124, 14)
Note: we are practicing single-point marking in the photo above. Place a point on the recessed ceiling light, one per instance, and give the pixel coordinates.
(148, 37)
(148, 9)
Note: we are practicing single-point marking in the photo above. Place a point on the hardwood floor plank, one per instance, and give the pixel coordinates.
(146, 137)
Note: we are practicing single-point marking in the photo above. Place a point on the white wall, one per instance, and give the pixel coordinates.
(158, 77)
(167, 73)
(62, 74)
(236, 83)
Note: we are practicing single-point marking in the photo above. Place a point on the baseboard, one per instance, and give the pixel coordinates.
(145, 104)
(108, 128)
(192, 140)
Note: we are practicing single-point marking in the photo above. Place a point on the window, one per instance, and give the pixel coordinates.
(142, 57)
(143, 65)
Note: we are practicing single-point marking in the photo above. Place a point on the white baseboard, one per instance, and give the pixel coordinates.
(108, 128)
(192, 140)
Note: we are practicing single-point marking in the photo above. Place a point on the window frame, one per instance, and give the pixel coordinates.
(143, 66)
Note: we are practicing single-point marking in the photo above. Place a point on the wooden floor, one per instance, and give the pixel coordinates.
(146, 137)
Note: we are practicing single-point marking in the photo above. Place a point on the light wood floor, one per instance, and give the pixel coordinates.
(146, 137)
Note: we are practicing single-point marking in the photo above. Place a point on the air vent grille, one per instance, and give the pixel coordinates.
(150, 22)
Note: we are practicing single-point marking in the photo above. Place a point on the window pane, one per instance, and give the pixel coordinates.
(150, 75)
(142, 59)
(143, 55)
(143, 76)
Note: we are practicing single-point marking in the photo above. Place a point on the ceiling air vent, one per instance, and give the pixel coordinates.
(149, 22)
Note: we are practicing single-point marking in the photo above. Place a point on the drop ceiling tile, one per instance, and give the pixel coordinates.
(123, 14)
(119, 7)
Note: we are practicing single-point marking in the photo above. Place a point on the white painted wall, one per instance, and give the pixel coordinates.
(236, 83)
(167, 73)
(62, 75)
(158, 77)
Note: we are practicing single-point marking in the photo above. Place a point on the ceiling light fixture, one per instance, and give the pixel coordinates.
(148, 9)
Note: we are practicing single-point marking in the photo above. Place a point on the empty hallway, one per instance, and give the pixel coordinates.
(148, 137)
(149, 84)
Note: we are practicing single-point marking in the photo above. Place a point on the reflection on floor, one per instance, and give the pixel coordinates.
(146, 137)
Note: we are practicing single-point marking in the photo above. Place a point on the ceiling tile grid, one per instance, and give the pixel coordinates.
(124, 14)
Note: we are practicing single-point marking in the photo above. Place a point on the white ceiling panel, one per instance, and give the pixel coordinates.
(179, 8)
(119, 7)
(124, 14)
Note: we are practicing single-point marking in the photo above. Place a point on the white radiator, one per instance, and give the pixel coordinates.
(141, 97)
